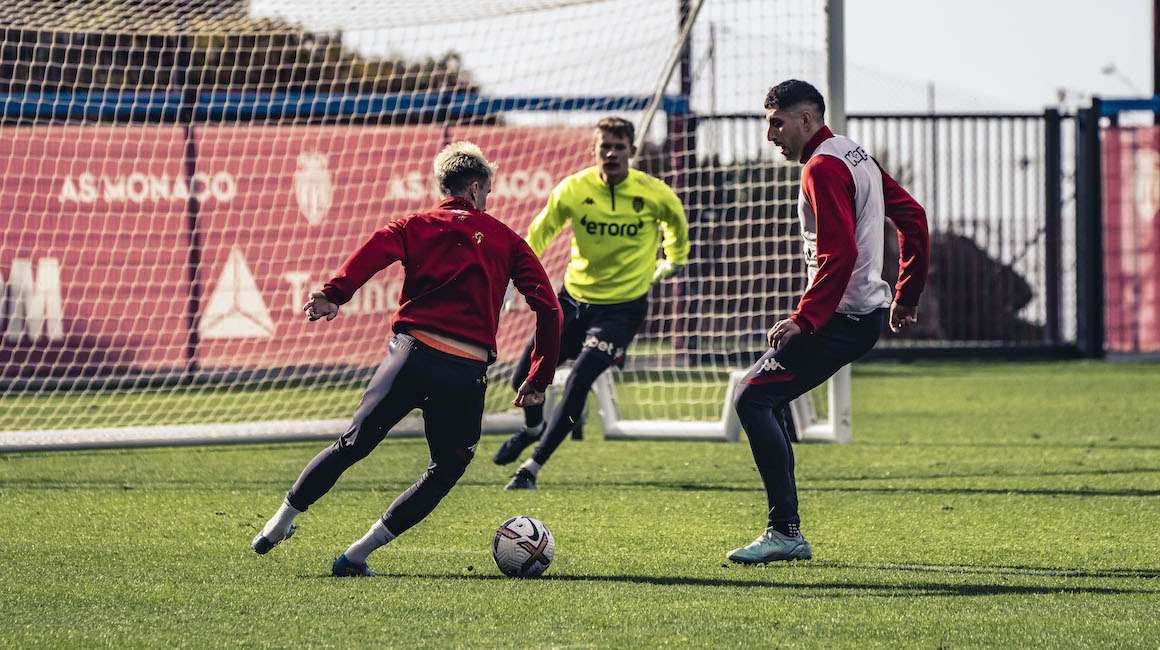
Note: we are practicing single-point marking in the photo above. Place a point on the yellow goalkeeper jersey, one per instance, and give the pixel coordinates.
(616, 232)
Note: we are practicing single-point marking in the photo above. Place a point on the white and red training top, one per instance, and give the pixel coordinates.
(845, 198)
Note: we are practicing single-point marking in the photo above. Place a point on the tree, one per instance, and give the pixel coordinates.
(214, 46)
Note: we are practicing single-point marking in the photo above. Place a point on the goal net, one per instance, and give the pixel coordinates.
(178, 176)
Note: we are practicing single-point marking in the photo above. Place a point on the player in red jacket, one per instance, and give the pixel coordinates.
(844, 201)
(457, 261)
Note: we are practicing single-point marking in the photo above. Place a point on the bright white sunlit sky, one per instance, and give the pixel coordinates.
(982, 55)
(995, 54)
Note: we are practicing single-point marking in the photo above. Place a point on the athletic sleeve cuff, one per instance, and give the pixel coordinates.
(803, 324)
(334, 295)
(907, 301)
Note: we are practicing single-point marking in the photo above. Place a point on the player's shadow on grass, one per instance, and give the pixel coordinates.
(991, 474)
(684, 487)
(1103, 445)
(129, 483)
(1048, 492)
(794, 583)
(1008, 570)
(870, 489)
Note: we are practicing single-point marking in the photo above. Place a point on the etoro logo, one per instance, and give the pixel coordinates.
(594, 227)
(313, 186)
(235, 309)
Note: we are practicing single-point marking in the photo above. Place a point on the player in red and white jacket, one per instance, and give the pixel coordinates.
(844, 201)
(457, 261)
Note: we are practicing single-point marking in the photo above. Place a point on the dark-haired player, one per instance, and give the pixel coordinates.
(845, 199)
(618, 216)
(457, 261)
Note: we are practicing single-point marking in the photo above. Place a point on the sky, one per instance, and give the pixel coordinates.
(982, 55)
(994, 54)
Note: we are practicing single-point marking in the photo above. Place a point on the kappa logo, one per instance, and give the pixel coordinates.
(589, 201)
(637, 203)
(769, 365)
(235, 309)
(313, 186)
(478, 237)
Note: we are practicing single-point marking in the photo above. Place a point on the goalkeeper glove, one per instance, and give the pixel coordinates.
(665, 270)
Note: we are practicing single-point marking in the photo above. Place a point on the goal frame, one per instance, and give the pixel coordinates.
(834, 427)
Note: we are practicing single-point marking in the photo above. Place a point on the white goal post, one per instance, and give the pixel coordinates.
(809, 427)
(178, 176)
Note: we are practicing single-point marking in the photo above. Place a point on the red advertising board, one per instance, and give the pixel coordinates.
(93, 249)
(532, 160)
(98, 231)
(1131, 191)
(309, 196)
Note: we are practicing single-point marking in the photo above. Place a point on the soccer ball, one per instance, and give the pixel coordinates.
(523, 547)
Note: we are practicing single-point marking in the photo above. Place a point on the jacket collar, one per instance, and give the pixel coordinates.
(821, 136)
(456, 202)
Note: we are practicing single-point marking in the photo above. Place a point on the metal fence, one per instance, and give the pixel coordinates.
(1000, 196)
(993, 188)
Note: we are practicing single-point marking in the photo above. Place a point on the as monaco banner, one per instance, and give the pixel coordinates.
(1131, 191)
(307, 198)
(93, 249)
(120, 252)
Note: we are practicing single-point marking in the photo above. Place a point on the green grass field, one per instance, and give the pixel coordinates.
(980, 505)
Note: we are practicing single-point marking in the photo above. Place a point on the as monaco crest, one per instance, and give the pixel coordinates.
(312, 186)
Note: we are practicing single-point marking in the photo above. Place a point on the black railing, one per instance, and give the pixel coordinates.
(1009, 274)
(1012, 200)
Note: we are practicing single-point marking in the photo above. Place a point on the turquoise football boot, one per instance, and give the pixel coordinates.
(772, 546)
(262, 545)
(344, 568)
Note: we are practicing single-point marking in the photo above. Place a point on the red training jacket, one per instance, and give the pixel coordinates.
(829, 188)
(457, 262)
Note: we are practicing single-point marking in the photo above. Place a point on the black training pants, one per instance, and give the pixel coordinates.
(450, 391)
(804, 362)
(596, 336)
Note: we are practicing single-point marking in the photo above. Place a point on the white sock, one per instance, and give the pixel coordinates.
(279, 524)
(532, 466)
(535, 431)
(377, 536)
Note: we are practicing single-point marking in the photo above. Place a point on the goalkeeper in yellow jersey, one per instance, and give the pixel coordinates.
(620, 217)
